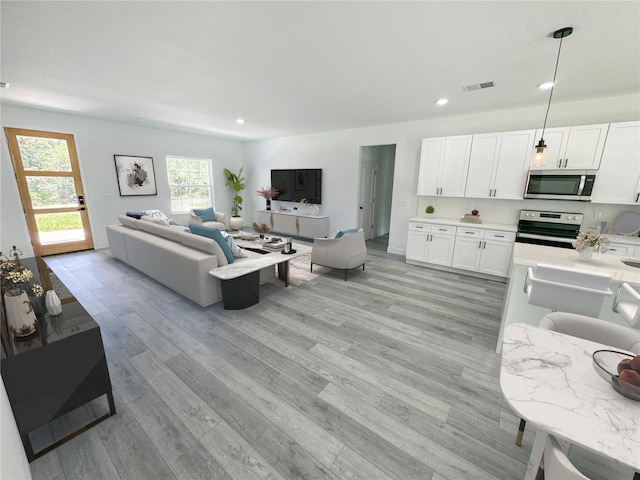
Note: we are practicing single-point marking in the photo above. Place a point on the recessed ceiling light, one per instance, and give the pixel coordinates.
(442, 101)
(240, 120)
(546, 85)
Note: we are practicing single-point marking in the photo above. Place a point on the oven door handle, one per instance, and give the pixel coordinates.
(544, 237)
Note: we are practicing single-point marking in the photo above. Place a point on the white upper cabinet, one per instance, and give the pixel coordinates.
(573, 147)
(498, 164)
(443, 166)
(618, 180)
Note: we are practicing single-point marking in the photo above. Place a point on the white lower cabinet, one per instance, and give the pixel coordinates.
(431, 243)
(484, 251)
(466, 248)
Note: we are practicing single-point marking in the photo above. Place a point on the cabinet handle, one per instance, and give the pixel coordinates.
(418, 226)
(430, 237)
(499, 236)
(637, 197)
(442, 229)
(484, 245)
(495, 190)
(479, 244)
(470, 233)
(566, 160)
(560, 163)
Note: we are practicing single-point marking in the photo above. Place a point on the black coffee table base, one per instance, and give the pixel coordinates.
(241, 292)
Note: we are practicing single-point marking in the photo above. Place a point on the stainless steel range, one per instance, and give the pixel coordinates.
(554, 229)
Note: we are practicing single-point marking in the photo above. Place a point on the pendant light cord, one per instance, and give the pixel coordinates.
(555, 72)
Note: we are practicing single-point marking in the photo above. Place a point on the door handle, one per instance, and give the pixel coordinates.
(361, 208)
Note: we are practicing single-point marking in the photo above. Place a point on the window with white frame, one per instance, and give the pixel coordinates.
(190, 183)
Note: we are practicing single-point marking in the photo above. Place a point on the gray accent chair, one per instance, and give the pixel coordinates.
(344, 253)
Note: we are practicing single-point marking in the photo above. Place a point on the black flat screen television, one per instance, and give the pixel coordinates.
(294, 185)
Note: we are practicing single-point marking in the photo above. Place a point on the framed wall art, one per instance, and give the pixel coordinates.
(135, 175)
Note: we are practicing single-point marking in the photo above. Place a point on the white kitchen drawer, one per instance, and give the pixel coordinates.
(443, 229)
(470, 232)
(621, 249)
(499, 236)
(419, 227)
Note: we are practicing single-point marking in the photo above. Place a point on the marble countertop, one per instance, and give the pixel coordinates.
(530, 255)
(458, 223)
(549, 379)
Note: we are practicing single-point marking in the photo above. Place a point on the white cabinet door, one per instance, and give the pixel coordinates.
(441, 248)
(513, 163)
(455, 163)
(556, 140)
(585, 146)
(618, 179)
(576, 148)
(482, 164)
(443, 166)
(466, 254)
(417, 246)
(431, 156)
(496, 257)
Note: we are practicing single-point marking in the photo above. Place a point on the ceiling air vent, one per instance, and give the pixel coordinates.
(478, 86)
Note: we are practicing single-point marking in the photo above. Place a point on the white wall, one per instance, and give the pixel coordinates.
(97, 141)
(337, 153)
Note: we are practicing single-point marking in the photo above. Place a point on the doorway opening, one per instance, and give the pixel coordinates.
(48, 177)
(377, 164)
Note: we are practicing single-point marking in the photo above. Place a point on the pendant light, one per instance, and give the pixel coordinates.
(539, 157)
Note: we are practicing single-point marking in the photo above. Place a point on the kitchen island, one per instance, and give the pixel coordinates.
(516, 308)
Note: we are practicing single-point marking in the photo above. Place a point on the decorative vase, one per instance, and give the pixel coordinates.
(268, 204)
(236, 223)
(53, 303)
(585, 255)
(314, 209)
(20, 314)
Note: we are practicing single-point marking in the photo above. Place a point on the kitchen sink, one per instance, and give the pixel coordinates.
(632, 262)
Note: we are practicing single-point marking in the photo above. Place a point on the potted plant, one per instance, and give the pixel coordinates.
(429, 210)
(590, 242)
(268, 193)
(236, 181)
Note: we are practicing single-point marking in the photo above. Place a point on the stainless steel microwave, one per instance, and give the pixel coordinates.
(560, 184)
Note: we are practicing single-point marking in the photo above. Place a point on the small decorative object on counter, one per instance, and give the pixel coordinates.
(429, 210)
(473, 217)
(268, 193)
(590, 242)
(53, 303)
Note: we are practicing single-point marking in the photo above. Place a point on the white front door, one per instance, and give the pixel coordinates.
(366, 197)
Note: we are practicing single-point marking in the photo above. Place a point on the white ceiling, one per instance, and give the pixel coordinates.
(292, 68)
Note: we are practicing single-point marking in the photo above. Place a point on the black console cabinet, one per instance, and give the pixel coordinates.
(62, 367)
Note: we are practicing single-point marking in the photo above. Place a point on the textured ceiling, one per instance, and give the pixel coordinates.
(292, 68)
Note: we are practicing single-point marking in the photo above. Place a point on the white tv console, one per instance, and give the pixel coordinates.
(295, 224)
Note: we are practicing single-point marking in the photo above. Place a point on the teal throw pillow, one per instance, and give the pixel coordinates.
(214, 234)
(341, 233)
(205, 214)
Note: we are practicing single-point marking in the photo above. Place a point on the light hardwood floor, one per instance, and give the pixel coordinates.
(391, 375)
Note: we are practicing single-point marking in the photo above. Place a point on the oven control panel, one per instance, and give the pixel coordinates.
(551, 217)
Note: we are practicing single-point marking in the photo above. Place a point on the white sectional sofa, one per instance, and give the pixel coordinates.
(174, 257)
